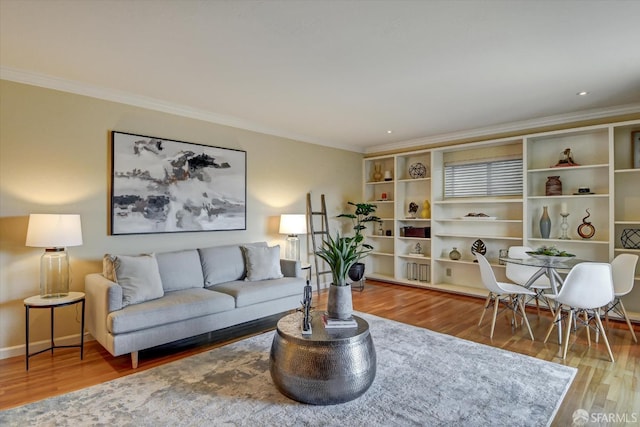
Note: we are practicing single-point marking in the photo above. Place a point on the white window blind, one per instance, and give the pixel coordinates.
(492, 178)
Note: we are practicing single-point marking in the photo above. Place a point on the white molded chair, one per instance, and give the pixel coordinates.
(623, 268)
(521, 274)
(587, 288)
(507, 293)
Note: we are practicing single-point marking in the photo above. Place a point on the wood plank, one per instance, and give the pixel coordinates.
(600, 386)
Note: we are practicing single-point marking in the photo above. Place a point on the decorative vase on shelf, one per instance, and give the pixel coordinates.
(454, 254)
(553, 186)
(377, 174)
(545, 223)
(426, 210)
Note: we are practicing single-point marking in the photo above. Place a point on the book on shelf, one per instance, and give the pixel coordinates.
(338, 323)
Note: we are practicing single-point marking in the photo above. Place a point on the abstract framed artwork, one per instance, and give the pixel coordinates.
(166, 186)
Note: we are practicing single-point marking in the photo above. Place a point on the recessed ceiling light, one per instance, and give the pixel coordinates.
(389, 131)
(583, 93)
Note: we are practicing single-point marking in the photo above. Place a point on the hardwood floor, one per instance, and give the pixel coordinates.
(600, 387)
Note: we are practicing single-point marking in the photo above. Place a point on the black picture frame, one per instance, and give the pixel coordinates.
(161, 185)
(635, 149)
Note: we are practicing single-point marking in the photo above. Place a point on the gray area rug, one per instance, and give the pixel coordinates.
(423, 378)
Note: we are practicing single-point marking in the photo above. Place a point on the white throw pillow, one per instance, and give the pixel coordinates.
(139, 277)
(262, 263)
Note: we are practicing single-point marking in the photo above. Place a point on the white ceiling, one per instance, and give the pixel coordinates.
(337, 73)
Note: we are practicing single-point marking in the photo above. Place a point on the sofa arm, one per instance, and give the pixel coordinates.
(102, 297)
(291, 268)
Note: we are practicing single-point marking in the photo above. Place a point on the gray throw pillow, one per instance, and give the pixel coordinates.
(138, 276)
(262, 263)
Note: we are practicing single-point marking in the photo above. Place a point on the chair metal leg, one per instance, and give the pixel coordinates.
(586, 321)
(553, 322)
(624, 313)
(604, 336)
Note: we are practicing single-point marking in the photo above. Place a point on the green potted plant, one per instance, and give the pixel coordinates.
(362, 215)
(340, 254)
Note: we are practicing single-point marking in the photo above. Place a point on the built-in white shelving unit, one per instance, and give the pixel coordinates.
(603, 153)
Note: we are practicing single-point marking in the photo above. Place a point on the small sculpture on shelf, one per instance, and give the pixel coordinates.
(478, 247)
(417, 170)
(377, 174)
(586, 230)
(566, 159)
(417, 249)
(413, 208)
(455, 254)
(306, 310)
(426, 210)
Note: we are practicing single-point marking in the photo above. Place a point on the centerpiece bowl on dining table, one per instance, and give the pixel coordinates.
(552, 256)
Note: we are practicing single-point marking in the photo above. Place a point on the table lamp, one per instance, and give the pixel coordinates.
(292, 225)
(54, 233)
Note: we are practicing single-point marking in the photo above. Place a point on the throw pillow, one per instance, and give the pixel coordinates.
(139, 277)
(262, 263)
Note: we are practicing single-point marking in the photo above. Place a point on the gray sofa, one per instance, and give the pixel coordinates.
(149, 300)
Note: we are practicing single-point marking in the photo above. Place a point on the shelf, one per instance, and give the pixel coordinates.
(464, 236)
(467, 201)
(632, 222)
(568, 168)
(386, 254)
(375, 236)
(377, 202)
(569, 196)
(631, 251)
(468, 262)
(415, 179)
(379, 182)
(413, 238)
(414, 219)
(623, 171)
(426, 258)
(578, 241)
(476, 221)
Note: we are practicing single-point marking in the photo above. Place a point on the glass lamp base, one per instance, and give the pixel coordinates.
(54, 273)
(292, 249)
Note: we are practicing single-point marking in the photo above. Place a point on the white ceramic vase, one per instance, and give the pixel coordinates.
(340, 302)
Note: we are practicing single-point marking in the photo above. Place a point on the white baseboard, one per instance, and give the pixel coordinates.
(19, 350)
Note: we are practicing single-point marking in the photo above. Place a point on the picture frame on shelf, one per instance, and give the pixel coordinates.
(635, 149)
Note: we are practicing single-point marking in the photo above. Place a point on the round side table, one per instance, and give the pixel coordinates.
(327, 367)
(52, 303)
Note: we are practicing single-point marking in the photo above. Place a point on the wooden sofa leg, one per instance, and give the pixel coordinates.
(134, 359)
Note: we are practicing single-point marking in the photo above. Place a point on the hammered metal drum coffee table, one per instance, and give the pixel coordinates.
(327, 367)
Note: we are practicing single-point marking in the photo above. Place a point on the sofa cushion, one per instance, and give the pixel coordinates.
(180, 270)
(222, 264)
(262, 263)
(175, 306)
(138, 276)
(249, 293)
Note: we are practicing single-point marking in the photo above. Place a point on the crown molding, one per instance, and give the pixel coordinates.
(512, 127)
(64, 85)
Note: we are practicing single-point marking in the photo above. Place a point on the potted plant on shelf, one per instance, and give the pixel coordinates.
(362, 215)
(340, 254)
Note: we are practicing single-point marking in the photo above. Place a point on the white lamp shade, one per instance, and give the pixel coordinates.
(54, 231)
(293, 224)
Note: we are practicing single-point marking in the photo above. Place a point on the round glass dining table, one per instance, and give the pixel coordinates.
(549, 267)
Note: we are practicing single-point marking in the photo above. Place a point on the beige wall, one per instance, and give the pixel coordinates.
(54, 159)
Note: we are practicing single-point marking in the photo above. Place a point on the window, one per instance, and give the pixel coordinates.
(493, 178)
